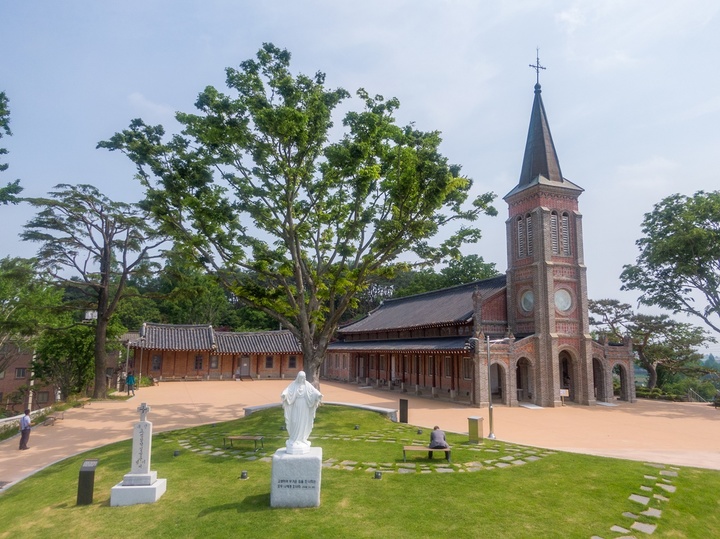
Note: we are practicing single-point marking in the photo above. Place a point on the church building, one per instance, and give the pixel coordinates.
(519, 338)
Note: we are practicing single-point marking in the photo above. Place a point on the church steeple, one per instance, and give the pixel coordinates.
(540, 156)
(540, 162)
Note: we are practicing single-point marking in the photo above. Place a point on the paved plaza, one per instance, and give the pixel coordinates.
(679, 434)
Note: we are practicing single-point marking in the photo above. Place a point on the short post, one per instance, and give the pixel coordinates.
(491, 434)
(403, 410)
(475, 432)
(86, 482)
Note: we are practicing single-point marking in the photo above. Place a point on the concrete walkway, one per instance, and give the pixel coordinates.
(683, 434)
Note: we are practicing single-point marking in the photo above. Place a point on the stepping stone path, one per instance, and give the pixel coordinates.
(511, 455)
(647, 509)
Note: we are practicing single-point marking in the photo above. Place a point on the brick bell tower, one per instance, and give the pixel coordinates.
(546, 276)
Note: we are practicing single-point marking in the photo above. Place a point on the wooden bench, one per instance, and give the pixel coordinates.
(424, 448)
(255, 439)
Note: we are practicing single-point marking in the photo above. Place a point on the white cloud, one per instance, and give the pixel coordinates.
(709, 107)
(617, 34)
(571, 19)
(653, 175)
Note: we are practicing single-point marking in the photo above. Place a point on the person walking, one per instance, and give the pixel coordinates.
(130, 382)
(25, 430)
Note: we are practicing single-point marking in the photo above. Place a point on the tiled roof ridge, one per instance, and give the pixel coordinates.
(439, 291)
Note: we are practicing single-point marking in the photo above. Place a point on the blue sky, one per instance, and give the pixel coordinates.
(632, 91)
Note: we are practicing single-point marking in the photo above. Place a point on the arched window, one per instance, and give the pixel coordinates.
(528, 222)
(565, 234)
(554, 240)
(520, 238)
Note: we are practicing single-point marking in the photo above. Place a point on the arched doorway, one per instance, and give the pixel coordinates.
(523, 380)
(621, 382)
(498, 384)
(600, 382)
(567, 374)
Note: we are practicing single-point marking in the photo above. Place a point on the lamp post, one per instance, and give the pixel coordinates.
(142, 345)
(490, 404)
(127, 362)
(474, 343)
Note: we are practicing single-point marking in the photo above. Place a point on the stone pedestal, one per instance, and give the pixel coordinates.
(296, 479)
(122, 494)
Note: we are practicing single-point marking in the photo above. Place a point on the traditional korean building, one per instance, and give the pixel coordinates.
(522, 337)
(169, 352)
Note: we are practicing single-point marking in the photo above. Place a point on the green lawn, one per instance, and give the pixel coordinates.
(536, 494)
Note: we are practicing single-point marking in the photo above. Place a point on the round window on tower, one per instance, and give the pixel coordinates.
(527, 301)
(563, 300)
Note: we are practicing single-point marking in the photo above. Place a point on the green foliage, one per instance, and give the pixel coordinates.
(664, 346)
(679, 257)
(26, 306)
(135, 309)
(92, 245)
(9, 192)
(65, 357)
(464, 269)
(705, 389)
(294, 224)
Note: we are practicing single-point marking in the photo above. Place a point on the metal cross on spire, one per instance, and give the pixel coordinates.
(537, 67)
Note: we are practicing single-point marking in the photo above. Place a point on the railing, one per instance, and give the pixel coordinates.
(693, 396)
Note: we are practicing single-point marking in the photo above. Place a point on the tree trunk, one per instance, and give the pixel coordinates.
(100, 388)
(312, 361)
(652, 375)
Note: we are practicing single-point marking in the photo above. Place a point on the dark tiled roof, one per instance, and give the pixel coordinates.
(402, 345)
(436, 308)
(205, 338)
(177, 337)
(261, 342)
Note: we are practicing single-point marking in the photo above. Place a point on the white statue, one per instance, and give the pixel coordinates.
(299, 401)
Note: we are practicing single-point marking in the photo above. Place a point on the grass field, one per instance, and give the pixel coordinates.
(492, 490)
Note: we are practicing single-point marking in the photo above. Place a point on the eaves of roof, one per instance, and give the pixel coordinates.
(447, 344)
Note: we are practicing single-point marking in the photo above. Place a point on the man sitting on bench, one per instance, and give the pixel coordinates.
(437, 441)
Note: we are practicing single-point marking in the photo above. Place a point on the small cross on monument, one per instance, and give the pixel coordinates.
(537, 67)
(143, 409)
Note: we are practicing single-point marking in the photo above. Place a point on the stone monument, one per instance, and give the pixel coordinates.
(140, 485)
(296, 469)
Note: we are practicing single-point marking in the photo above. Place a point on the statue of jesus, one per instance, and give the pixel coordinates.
(299, 401)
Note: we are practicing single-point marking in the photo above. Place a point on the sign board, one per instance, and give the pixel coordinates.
(564, 392)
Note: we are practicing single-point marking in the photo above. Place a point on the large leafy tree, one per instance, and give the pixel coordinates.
(92, 245)
(679, 263)
(295, 224)
(65, 357)
(11, 190)
(135, 309)
(190, 295)
(27, 307)
(660, 342)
